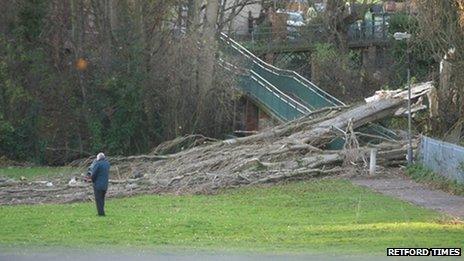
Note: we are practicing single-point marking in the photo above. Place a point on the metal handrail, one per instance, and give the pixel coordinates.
(272, 88)
(271, 68)
(283, 96)
(302, 109)
(298, 78)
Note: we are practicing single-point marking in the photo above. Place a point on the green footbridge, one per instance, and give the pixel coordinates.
(284, 94)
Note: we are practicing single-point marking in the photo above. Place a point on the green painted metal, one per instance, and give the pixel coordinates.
(278, 103)
(288, 82)
(285, 94)
(292, 86)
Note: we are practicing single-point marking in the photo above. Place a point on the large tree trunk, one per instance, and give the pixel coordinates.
(359, 116)
(210, 45)
(207, 55)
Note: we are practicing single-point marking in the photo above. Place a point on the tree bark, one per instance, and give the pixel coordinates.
(207, 55)
(209, 48)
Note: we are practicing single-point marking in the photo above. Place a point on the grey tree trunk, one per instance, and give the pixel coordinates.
(208, 51)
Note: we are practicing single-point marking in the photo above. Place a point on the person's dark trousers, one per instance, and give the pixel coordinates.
(100, 200)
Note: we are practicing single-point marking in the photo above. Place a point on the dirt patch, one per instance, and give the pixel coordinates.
(58, 190)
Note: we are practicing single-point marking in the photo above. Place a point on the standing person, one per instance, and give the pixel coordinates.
(99, 176)
(251, 21)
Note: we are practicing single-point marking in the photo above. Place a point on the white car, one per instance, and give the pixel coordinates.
(295, 19)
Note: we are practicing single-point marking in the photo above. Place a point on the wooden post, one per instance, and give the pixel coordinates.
(373, 162)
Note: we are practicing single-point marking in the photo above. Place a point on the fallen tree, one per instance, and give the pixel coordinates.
(288, 151)
(294, 150)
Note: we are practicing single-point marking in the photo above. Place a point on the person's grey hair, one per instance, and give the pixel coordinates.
(100, 156)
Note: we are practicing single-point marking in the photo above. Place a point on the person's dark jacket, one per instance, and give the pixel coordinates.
(100, 174)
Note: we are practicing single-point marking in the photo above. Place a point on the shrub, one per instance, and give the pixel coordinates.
(422, 174)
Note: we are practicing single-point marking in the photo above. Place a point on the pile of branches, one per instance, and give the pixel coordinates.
(294, 150)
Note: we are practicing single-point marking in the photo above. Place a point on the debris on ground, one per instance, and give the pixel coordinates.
(299, 149)
(5, 162)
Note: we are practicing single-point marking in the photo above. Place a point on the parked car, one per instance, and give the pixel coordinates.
(295, 21)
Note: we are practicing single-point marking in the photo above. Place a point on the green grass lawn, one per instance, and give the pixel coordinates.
(328, 216)
(35, 172)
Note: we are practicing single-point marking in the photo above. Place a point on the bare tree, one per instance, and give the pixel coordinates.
(440, 35)
(339, 15)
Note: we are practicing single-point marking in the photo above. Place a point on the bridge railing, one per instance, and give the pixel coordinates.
(262, 37)
(276, 102)
(370, 31)
(269, 85)
(287, 80)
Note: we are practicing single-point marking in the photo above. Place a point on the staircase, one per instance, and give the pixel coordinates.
(283, 94)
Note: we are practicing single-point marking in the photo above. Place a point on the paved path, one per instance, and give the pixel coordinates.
(419, 194)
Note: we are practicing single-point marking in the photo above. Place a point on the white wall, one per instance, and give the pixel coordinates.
(240, 22)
